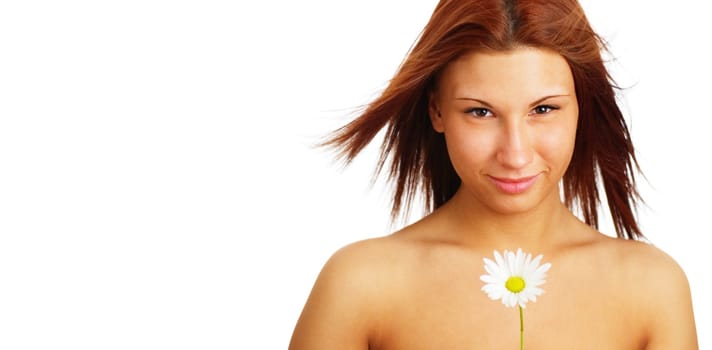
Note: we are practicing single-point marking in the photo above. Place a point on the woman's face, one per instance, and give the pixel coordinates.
(509, 120)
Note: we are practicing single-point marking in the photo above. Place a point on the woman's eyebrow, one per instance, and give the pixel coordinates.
(488, 105)
(484, 103)
(546, 98)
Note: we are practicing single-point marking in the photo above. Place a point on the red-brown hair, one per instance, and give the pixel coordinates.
(417, 156)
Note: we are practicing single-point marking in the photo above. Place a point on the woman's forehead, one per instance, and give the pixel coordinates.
(522, 70)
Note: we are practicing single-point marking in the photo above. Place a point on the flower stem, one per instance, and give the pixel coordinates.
(521, 328)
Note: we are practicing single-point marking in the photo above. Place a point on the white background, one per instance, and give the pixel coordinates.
(158, 188)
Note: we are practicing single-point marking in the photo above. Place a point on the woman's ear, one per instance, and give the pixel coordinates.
(436, 117)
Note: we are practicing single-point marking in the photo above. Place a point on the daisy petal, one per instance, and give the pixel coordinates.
(514, 264)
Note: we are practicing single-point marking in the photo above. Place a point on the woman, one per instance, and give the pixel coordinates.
(503, 116)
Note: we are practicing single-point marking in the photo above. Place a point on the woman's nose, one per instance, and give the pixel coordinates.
(515, 150)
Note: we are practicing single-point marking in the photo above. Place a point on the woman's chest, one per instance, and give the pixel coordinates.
(446, 309)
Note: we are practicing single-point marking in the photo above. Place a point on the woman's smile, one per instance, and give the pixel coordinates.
(514, 185)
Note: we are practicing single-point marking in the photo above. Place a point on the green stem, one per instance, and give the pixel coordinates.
(521, 328)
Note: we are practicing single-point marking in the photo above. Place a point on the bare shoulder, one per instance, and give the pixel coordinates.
(350, 298)
(649, 266)
(646, 267)
(660, 291)
(645, 260)
(371, 260)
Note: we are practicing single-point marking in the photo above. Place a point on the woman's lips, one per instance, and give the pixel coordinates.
(514, 186)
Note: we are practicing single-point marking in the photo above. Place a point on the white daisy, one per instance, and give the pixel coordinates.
(514, 278)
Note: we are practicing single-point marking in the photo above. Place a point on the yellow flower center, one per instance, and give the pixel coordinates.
(515, 284)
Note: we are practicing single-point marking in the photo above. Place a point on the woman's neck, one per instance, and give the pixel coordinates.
(478, 225)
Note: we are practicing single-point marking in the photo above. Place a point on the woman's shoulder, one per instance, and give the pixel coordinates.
(641, 264)
(374, 258)
(654, 269)
(658, 290)
(642, 259)
(351, 296)
(377, 268)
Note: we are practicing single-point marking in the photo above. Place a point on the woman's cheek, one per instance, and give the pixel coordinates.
(468, 151)
(557, 144)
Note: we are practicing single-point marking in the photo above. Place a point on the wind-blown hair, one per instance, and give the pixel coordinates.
(416, 155)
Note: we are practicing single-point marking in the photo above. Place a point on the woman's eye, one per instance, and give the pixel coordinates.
(543, 109)
(480, 112)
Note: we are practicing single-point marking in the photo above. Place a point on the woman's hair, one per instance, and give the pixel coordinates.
(417, 157)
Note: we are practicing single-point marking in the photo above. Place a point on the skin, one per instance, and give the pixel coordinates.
(505, 115)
